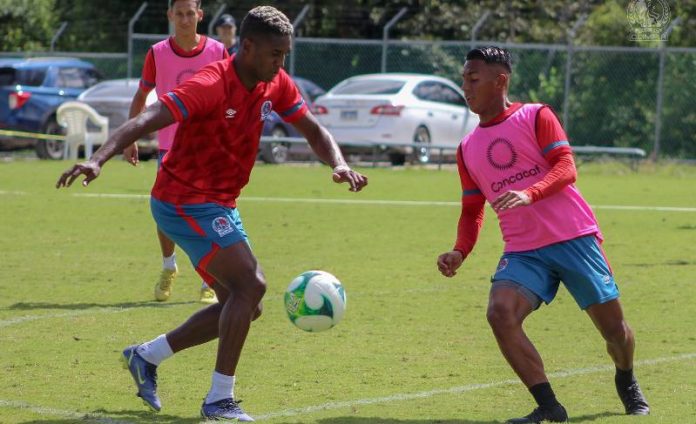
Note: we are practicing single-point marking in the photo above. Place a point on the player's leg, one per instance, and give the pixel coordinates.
(163, 287)
(236, 269)
(587, 275)
(609, 320)
(509, 304)
(521, 282)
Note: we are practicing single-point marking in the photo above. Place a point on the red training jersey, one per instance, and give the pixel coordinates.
(217, 141)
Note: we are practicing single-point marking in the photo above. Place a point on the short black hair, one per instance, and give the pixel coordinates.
(491, 55)
(264, 20)
(171, 3)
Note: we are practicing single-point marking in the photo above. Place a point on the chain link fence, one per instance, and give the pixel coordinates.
(605, 96)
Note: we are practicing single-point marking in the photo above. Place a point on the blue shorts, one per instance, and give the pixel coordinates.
(579, 263)
(199, 229)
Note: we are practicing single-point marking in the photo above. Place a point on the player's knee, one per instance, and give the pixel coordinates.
(258, 311)
(617, 333)
(501, 316)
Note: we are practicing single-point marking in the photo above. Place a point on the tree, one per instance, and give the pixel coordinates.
(26, 25)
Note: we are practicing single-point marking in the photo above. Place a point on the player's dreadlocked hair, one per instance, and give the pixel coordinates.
(264, 20)
(491, 54)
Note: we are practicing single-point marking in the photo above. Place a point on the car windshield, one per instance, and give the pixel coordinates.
(366, 86)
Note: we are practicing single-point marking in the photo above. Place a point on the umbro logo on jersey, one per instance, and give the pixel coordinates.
(229, 113)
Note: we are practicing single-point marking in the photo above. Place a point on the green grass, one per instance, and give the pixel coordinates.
(76, 278)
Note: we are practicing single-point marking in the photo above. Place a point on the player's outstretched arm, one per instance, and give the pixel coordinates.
(328, 151)
(153, 118)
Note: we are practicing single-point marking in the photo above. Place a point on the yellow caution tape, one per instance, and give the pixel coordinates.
(32, 135)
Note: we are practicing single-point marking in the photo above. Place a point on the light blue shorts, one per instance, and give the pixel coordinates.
(199, 229)
(579, 263)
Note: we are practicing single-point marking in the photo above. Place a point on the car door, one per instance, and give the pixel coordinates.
(443, 118)
(462, 119)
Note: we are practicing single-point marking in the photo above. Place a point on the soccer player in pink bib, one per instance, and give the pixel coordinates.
(220, 111)
(167, 64)
(519, 160)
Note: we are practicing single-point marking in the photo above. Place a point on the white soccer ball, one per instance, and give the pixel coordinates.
(315, 301)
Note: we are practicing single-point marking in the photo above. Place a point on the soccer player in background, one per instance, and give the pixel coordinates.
(519, 160)
(167, 64)
(226, 30)
(221, 110)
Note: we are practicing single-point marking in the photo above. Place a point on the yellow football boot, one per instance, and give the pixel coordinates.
(163, 288)
(208, 295)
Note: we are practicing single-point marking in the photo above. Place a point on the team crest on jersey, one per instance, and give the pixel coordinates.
(502, 264)
(222, 226)
(266, 108)
(184, 75)
(501, 154)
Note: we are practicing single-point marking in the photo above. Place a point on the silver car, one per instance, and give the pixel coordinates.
(112, 98)
(403, 114)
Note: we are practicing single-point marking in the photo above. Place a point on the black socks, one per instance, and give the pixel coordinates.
(544, 395)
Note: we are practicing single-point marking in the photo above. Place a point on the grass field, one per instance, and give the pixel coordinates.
(77, 271)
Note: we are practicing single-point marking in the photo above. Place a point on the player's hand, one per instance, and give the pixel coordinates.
(511, 199)
(449, 262)
(343, 174)
(89, 169)
(130, 154)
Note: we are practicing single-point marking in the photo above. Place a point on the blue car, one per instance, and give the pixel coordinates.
(274, 126)
(30, 92)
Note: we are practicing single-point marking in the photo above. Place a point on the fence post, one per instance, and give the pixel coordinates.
(477, 27)
(297, 22)
(58, 33)
(211, 25)
(385, 36)
(569, 67)
(660, 83)
(131, 24)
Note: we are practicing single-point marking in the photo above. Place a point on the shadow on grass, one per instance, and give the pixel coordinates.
(101, 416)
(380, 420)
(593, 417)
(27, 306)
(129, 417)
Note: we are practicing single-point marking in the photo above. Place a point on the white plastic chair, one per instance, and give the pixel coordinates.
(74, 116)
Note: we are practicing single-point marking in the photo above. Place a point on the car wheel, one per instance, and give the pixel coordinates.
(275, 152)
(421, 148)
(51, 149)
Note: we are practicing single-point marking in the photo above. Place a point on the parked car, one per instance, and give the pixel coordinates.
(112, 99)
(274, 126)
(404, 114)
(30, 92)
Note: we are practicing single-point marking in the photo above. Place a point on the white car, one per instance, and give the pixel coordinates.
(403, 114)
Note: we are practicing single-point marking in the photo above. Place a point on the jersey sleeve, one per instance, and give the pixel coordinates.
(550, 134)
(554, 145)
(147, 80)
(471, 217)
(197, 96)
(290, 104)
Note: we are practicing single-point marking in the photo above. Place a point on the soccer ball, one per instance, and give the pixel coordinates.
(315, 301)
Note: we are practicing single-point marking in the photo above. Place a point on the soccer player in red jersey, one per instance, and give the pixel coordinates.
(519, 160)
(221, 110)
